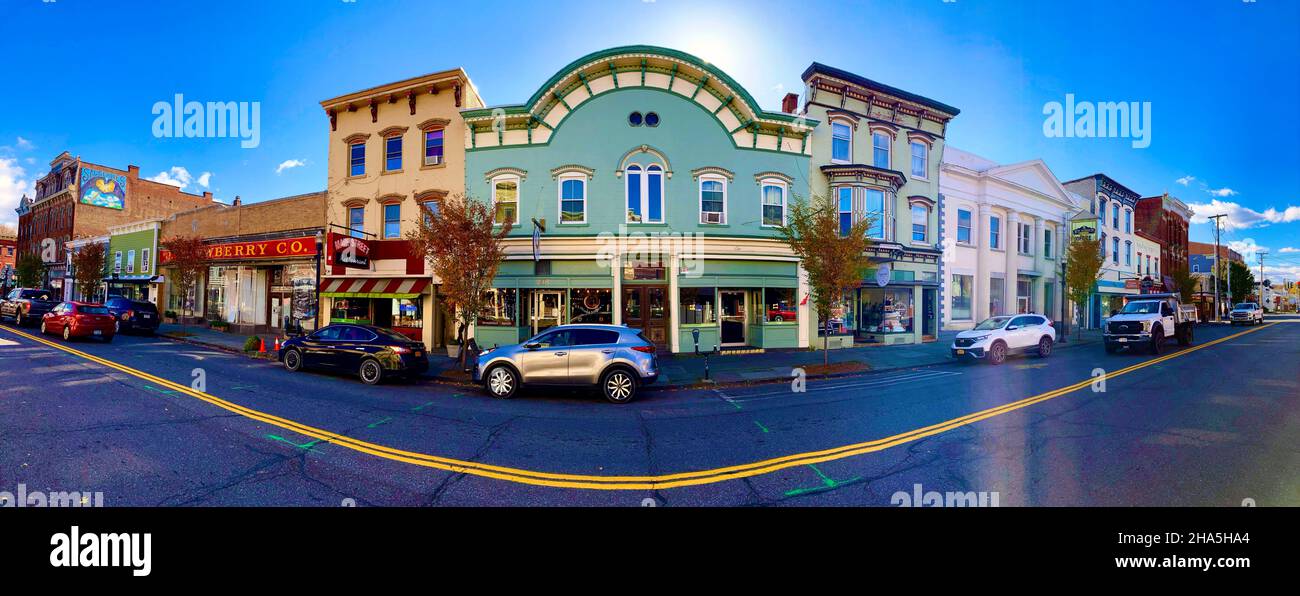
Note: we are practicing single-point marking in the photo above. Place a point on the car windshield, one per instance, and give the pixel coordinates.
(1244, 306)
(1146, 307)
(92, 310)
(35, 295)
(992, 323)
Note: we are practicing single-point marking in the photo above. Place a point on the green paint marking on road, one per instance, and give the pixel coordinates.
(305, 446)
(162, 391)
(828, 483)
(422, 406)
(243, 386)
(379, 422)
(760, 425)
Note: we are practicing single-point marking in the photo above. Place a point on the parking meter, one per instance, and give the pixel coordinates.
(695, 334)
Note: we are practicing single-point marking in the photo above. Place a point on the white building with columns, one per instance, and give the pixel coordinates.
(1003, 231)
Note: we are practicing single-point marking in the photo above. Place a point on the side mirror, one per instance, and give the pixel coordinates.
(1012, 327)
(533, 346)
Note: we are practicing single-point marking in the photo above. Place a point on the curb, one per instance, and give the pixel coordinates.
(223, 348)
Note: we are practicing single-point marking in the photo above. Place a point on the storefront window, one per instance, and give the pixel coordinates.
(887, 310)
(961, 297)
(780, 305)
(501, 307)
(350, 310)
(591, 306)
(408, 313)
(1024, 290)
(698, 306)
(216, 303)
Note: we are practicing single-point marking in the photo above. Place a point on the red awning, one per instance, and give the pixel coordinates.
(375, 287)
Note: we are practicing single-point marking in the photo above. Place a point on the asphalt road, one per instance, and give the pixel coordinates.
(1210, 425)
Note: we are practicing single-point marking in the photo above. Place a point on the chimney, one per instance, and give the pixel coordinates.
(790, 103)
(237, 202)
(207, 195)
(133, 172)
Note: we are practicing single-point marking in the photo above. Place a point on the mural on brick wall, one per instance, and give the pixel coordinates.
(103, 189)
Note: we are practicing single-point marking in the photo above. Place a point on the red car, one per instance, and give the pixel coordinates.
(79, 319)
(781, 312)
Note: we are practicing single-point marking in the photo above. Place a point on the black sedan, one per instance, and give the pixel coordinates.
(373, 353)
(133, 315)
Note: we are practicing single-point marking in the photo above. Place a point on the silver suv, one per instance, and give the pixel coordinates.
(614, 358)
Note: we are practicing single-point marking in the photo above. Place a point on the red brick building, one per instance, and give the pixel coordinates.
(78, 199)
(8, 259)
(1164, 220)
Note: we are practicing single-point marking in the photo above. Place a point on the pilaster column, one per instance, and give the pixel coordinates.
(616, 295)
(1039, 265)
(674, 307)
(1011, 289)
(984, 259)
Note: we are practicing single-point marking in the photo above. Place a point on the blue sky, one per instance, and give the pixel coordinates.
(1222, 77)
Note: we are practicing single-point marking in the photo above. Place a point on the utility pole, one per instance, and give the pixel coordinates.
(1261, 278)
(1217, 319)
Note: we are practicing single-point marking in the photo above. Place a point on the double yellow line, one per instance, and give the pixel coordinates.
(617, 482)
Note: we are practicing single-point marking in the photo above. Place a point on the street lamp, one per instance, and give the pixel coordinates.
(320, 244)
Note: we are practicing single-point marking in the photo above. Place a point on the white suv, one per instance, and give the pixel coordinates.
(997, 337)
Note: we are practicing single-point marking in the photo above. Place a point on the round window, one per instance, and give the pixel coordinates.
(634, 118)
(651, 119)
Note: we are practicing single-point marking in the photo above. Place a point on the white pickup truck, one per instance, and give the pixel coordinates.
(1147, 321)
(1246, 313)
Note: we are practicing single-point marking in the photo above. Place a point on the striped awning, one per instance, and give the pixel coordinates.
(375, 287)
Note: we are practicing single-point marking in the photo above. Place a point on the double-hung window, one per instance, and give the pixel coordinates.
(920, 159)
(1047, 243)
(920, 223)
(1025, 239)
(393, 153)
(963, 226)
(773, 192)
(880, 150)
(995, 231)
(573, 199)
(713, 200)
(1128, 253)
(357, 159)
(357, 221)
(1114, 254)
(841, 142)
(505, 200)
(393, 220)
(876, 210)
(845, 207)
(433, 147)
(1114, 215)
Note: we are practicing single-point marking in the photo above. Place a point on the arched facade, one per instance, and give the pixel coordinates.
(656, 186)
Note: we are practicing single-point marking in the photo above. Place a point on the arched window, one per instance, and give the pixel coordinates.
(880, 149)
(573, 199)
(645, 193)
(505, 200)
(841, 142)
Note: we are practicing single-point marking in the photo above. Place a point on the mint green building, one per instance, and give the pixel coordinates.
(131, 268)
(654, 185)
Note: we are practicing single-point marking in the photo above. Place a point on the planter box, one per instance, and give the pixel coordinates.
(453, 351)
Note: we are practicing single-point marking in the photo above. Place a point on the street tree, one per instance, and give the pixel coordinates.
(188, 259)
(1241, 280)
(1082, 264)
(88, 268)
(28, 271)
(834, 258)
(465, 249)
(1185, 284)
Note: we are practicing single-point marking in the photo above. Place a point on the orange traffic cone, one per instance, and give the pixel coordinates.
(277, 344)
(261, 344)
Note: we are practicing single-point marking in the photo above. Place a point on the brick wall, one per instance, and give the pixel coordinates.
(222, 221)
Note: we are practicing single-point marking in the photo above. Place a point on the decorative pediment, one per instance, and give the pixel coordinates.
(715, 170)
(393, 131)
(761, 176)
(494, 173)
(433, 124)
(840, 173)
(572, 168)
(357, 137)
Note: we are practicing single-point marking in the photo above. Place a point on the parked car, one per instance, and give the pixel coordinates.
(614, 358)
(1148, 321)
(79, 319)
(995, 338)
(133, 315)
(27, 305)
(373, 353)
(1246, 313)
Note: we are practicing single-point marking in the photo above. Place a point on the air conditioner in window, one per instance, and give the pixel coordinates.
(432, 160)
(713, 217)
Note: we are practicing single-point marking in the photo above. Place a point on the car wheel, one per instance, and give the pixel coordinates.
(1045, 347)
(117, 326)
(501, 382)
(108, 339)
(371, 372)
(293, 360)
(779, 319)
(618, 385)
(67, 333)
(998, 353)
(1157, 340)
(1110, 348)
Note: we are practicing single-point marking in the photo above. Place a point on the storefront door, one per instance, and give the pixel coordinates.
(547, 309)
(732, 318)
(928, 320)
(646, 308)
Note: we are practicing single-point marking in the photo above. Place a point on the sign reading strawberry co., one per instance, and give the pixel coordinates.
(350, 252)
(264, 249)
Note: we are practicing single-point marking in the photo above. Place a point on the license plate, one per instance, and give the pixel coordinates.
(961, 352)
(1123, 340)
(146, 316)
(98, 332)
(418, 354)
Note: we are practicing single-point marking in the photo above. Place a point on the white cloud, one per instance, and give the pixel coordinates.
(1221, 192)
(13, 184)
(1239, 217)
(1248, 248)
(24, 144)
(289, 164)
(181, 178)
(1185, 180)
(1287, 249)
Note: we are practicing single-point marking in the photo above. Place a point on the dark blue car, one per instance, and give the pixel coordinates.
(133, 316)
(372, 353)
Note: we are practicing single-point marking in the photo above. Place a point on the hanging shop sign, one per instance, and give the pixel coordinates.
(351, 252)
